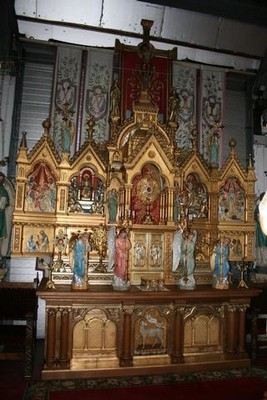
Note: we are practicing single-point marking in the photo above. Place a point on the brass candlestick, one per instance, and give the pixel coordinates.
(242, 268)
(50, 283)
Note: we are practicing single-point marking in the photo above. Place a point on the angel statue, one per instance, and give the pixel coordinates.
(184, 253)
(80, 248)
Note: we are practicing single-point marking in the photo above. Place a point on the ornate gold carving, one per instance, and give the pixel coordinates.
(242, 307)
(17, 239)
(62, 200)
(19, 196)
(128, 310)
(231, 308)
(151, 154)
(64, 312)
(181, 310)
(52, 312)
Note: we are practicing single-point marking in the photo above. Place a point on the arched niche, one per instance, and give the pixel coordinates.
(87, 189)
(146, 195)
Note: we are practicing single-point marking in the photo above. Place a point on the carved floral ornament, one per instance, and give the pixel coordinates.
(61, 241)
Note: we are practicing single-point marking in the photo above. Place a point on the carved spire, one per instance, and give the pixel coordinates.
(90, 128)
(146, 53)
(46, 125)
(23, 143)
(232, 144)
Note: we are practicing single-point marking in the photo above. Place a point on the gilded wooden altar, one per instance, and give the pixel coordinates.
(140, 179)
(144, 180)
(148, 175)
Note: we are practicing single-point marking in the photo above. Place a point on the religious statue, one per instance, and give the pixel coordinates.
(111, 236)
(4, 203)
(122, 247)
(68, 133)
(113, 202)
(115, 99)
(184, 254)
(74, 206)
(220, 263)
(87, 187)
(80, 259)
(173, 106)
(213, 149)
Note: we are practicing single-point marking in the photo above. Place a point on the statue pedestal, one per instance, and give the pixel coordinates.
(187, 283)
(120, 284)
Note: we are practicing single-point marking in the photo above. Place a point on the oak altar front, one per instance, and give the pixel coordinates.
(100, 332)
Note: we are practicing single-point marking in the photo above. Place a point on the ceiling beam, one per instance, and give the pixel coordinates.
(249, 11)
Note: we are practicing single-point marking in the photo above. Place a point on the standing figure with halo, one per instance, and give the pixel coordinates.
(122, 247)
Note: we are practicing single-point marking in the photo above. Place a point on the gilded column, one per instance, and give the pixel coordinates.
(126, 358)
(50, 359)
(178, 336)
(122, 202)
(170, 205)
(162, 207)
(64, 360)
(127, 199)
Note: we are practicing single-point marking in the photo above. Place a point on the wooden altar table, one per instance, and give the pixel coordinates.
(102, 332)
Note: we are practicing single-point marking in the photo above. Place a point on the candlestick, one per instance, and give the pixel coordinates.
(242, 268)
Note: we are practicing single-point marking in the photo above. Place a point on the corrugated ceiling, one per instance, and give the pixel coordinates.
(199, 36)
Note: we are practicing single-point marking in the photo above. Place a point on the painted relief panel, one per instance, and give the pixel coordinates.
(41, 189)
(194, 198)
(236, 247)
(38, 240)
(140, 251)
(150, 333)
(192, 201)
(231, 201)
(156, 252)
(148, 252)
